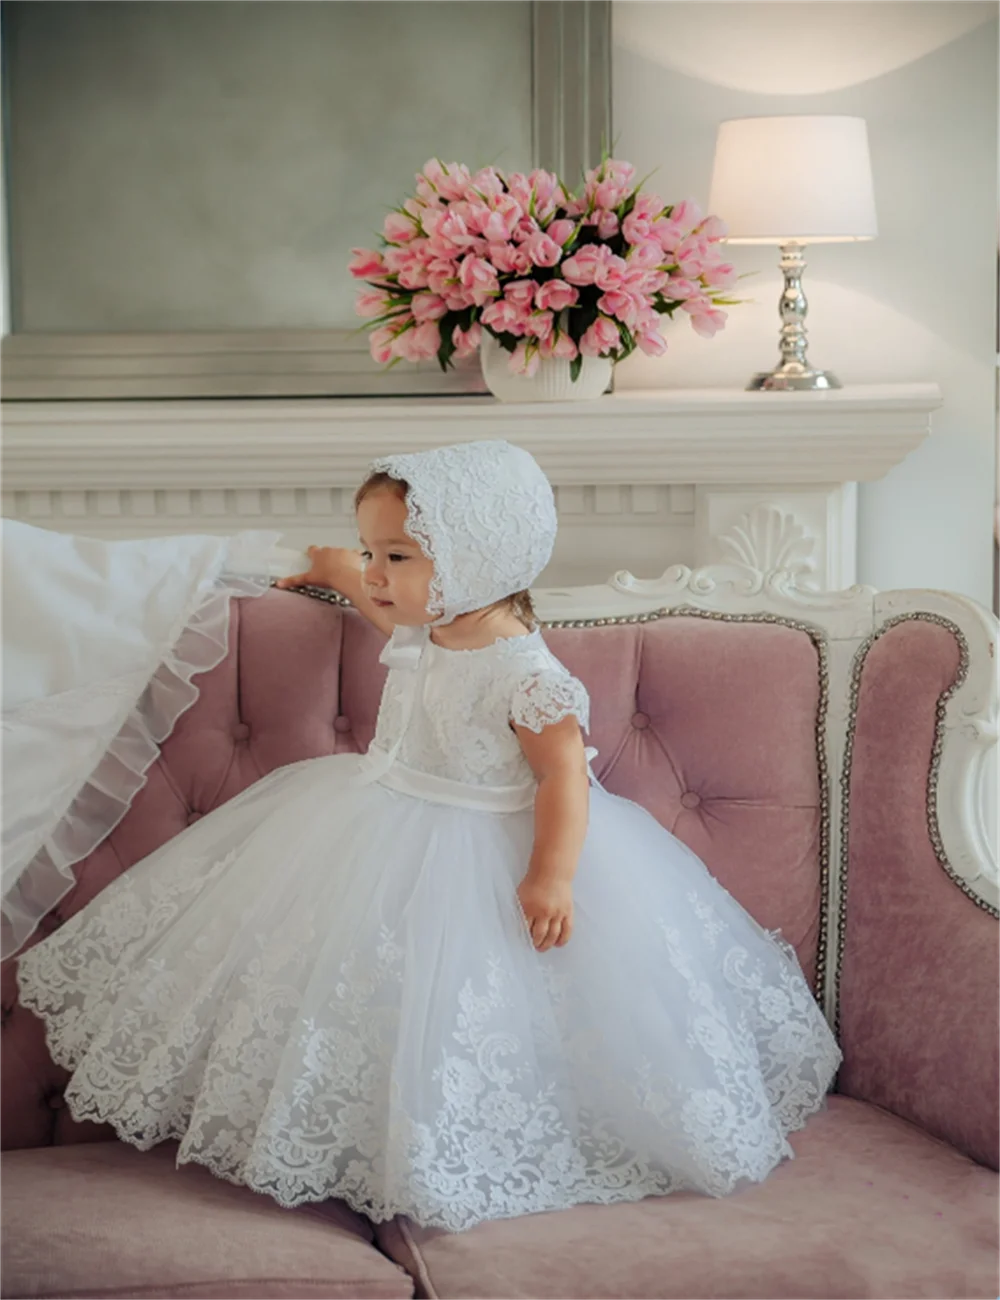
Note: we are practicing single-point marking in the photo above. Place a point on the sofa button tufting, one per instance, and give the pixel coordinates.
(55, 1101)
(640, 721)
(690, 800)
(341, 724)
(194, 817)
(241, 731)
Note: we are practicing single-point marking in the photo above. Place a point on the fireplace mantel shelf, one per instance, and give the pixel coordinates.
(671, 436)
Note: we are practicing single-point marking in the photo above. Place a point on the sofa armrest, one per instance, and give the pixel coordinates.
(919, 939)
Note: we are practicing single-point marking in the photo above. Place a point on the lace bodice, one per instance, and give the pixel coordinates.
(464, 704)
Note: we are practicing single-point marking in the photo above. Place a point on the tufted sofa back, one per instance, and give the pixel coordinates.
(712, 724)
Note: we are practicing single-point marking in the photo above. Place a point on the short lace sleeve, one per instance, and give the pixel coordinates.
(548, 696)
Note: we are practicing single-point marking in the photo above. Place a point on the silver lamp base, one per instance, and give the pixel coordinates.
(793, 374)
(793, 379)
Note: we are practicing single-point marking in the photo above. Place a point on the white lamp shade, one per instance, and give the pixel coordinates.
(808, 180)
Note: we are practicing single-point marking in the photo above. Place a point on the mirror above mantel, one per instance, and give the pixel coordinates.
(184, 182)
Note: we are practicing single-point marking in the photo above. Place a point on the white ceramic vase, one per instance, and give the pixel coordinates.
(550, 383)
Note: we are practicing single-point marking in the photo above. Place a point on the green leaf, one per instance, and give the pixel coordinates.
(575, 366)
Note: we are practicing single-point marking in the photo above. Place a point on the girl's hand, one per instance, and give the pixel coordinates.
(548, 909)
(331, 565)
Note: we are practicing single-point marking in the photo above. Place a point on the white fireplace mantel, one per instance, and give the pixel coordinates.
(643, 478)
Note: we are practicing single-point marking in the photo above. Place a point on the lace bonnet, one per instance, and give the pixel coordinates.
(484, 513)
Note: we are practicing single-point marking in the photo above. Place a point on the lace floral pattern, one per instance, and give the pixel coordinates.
(324, 988)
(521, 1111)
(548, 696)
(460, 728)
(484, 513)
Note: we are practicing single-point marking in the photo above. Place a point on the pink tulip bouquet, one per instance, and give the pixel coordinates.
(548, 272)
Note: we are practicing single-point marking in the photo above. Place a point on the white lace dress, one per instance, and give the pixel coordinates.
(326, 987)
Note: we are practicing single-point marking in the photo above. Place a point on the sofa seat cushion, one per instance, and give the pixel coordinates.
(103, 1219)
(871, 1206)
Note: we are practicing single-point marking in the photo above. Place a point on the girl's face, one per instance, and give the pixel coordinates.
(397, 573)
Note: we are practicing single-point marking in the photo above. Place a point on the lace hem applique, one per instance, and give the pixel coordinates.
(547, 697)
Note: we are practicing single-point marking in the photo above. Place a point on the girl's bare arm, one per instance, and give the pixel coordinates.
(562, 804)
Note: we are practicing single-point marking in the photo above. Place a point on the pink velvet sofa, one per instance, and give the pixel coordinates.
(717, 726)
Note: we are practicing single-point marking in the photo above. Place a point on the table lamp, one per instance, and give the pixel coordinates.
(794, 181)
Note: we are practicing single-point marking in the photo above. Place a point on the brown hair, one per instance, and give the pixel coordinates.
(381, 480)
(519, 603)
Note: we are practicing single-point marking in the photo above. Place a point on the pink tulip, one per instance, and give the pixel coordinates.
(503, 219)
(442, 275)
(417, 209)
(637, 229)
(647, 206)
(555, 295)
(595, 264)
(366, 264)
(557, 345)
(542, 250)
(372, 303)
(519, 187)
(547, 192)
(680, 289)
(525, 229)
(398, 259)
(453, 230)
(380, 343)
(458, 299)
(419, 343)
(521, 292)
(691, 257)
(450, 181)
(408, 265)
(623, 306)
(505, 317)
(524, 360)
(651, 341)
(720, 276)
(398, 229)
(467, 341)
(610, 184)
(646, 255)
(713, 229)
(602, 337)
(607, 224)
(708, 322)
(610, 270)
(582, 266)
(487, 183)
(479, 278)
(562, 231)
(686, 215)
(540, 324)
(428, 306)
(508, 258)
(414, 276)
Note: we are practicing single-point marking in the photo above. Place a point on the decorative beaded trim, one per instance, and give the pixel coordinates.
(326, 594)
(933, 829)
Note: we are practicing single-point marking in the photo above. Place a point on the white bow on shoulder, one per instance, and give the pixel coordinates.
(404, 647)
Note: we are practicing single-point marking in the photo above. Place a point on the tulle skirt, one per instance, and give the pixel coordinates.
(326, 988)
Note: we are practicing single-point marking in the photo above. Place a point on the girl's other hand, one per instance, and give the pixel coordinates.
(548, 910)
(329, 566)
